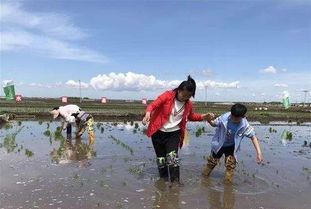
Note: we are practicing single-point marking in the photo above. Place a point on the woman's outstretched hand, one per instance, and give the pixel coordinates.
(208, 116)
(146, 119)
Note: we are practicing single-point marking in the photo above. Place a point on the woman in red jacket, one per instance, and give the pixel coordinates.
(168, 115)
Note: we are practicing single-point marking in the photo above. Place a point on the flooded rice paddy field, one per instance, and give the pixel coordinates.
(39, 168)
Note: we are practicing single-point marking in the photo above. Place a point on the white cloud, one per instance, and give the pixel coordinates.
(283, 85)
(126, 81)
(269, 69)
(75, 84)
(22, 40)
(49, 23)
(133, 82)
(44, 34)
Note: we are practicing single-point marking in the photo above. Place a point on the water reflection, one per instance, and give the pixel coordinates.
(218, 199)
(166, 197)
(72, 152)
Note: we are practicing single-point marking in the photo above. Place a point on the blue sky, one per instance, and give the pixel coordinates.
(241, 50)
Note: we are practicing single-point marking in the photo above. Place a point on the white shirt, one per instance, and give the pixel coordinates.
(66, 111)
(175, 117)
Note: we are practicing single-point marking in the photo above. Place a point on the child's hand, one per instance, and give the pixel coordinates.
(208, 116)
(259, 158)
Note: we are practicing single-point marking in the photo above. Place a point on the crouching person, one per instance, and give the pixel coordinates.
(65, 114)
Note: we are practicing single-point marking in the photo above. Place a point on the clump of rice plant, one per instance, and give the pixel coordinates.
(7, 126)
(102, 130)
(272, 130)
(199, 131)
(136, 126)
(135, 170)
(28, 153)
(58, 134)
(47, 133)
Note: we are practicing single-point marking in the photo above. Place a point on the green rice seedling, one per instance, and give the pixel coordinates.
(28, 153)
(136, 126)
(9, 141)
(7, 126)
(123, 145)
(47, 133)
(135, 170)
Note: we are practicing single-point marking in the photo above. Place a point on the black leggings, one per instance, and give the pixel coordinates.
(165, 142)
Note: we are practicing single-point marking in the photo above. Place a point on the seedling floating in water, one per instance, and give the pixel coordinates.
(286, 136)
(305, 144)
(199, 131)
(271, 130)
(125, 146)
(28, 153)
(47, 133)
(136, 170)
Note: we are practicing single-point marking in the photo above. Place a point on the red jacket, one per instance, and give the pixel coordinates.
(161, 109)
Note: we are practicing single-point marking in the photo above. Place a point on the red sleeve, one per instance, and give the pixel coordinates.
(194, 116)
(157, 102)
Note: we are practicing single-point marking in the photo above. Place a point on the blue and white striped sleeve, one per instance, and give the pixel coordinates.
(249, 131)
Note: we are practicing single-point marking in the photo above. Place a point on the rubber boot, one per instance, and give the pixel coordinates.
(172, 162)
(211, 163)
(162, 167)
(230, 164)
(175, 174)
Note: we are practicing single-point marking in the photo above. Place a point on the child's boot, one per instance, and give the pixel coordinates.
(211, 163)
(230, 164)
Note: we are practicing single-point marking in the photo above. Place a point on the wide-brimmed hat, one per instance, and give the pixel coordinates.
(55, 113)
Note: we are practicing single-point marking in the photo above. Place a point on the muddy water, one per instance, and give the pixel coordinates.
(42, 170)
